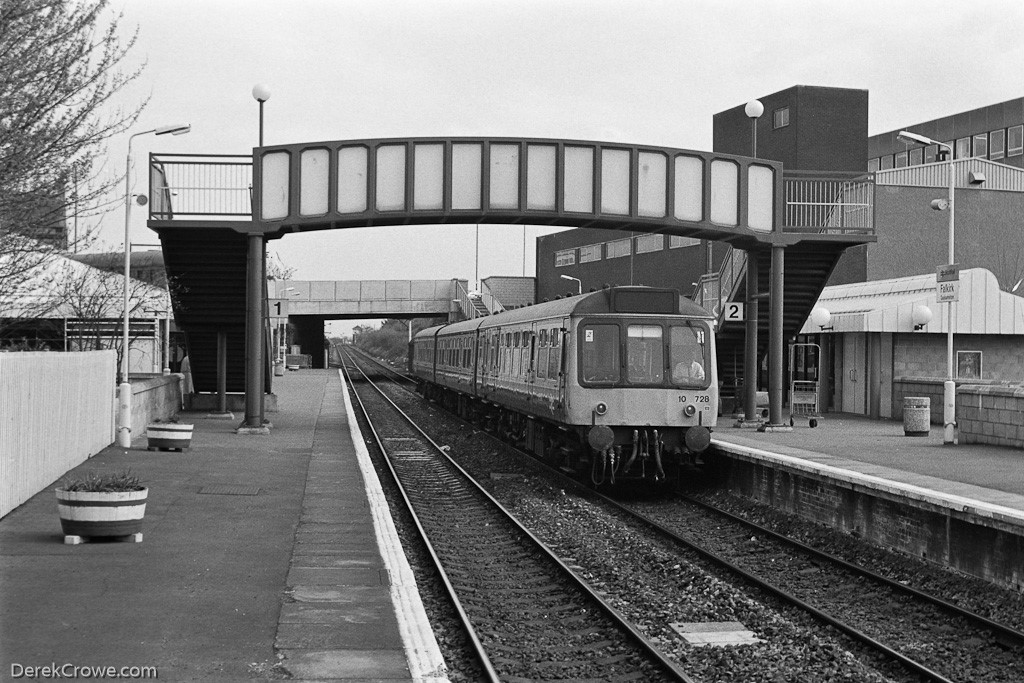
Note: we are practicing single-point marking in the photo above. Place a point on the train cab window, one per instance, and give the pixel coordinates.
(688, 355)
(599, 353)
(645, 354)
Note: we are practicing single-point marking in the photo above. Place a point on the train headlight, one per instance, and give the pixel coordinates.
(690, 410)
(600, 409)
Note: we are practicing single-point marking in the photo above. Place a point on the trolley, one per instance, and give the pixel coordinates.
(804, 395)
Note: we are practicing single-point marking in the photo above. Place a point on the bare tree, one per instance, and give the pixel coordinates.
(59, 70)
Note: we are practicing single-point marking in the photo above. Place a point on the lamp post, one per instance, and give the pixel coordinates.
(124, 390)
(579, 285)
(949, 387)
(753, 110)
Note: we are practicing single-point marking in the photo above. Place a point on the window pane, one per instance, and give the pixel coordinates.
(689, 188)
(1014, 141)
(760, 198)
(428, 181)
(579, 179)
(675, 241)
(649, 243)
(930, 153)
(901, 160)
(556, 354)
(619, 248)
(997, 144)
(599, 353)
(590, 252)
(540, 177)
(963, 148)
(352, 179)
(313, 193)
(504, 186)
(916, 155)
(391, 177)
(688, 355)
(651, 181)
(274, 191)
(724, 192)
(467, 176)
(872, 165)
(615, 181)
(645, 354)
(566, 257)
(780, 118)
(981, 146)
(886, 162)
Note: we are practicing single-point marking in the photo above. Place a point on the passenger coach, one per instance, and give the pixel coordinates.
(619, 383)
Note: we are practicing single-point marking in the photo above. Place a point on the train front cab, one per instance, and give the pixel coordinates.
(644, 391)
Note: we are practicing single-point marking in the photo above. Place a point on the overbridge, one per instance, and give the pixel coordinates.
(790, 229)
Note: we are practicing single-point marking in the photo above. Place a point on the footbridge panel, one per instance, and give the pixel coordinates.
(340, 299)
(355, 183)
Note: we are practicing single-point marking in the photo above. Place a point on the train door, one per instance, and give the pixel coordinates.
(563, 360)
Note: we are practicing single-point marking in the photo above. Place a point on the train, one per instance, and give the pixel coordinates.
(614, 385)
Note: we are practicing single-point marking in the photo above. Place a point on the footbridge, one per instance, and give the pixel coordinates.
(214, 216)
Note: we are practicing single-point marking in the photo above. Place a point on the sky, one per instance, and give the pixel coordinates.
(607, 70)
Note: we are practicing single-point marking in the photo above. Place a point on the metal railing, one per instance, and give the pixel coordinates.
(715, 289)
(828, 203)
(208, 185)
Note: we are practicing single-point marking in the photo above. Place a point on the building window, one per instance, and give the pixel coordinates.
(780, 119)
(872, 166)
(886, 162)
(929, 153)
(996, 144)
(981, 145)
(1014, 141)
(675, 241)
(619, 248)
(963, 148)
(901, 160)
(916, 156)
(591, 252)
(566, 257)
(649, 243)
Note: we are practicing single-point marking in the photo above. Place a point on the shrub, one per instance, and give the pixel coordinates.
(102, 483)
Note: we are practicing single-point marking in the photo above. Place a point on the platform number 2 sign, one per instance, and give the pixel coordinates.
(734, 312)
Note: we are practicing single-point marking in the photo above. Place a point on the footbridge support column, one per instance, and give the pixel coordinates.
(775, 340)
(254, 283)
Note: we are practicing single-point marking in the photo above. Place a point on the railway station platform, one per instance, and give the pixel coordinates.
(960, 504)
(262, 558)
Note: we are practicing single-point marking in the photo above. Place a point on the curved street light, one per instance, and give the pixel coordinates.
(124, 391)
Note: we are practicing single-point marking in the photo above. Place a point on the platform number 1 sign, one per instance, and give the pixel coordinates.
(734, 312)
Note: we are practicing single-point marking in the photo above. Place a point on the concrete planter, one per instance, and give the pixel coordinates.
(108, 513)
(169, 437)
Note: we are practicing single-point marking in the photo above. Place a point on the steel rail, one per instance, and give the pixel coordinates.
(474, 639)
(912, 665)
(1005, 634)
(616, 616)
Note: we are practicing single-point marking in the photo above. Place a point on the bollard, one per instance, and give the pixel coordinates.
(917, 415)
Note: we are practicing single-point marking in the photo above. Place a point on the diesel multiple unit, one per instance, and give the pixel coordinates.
(618, 384)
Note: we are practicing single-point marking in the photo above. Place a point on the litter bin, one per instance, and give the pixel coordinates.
(917, 415)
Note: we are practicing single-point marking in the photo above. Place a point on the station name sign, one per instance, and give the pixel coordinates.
(947, 283)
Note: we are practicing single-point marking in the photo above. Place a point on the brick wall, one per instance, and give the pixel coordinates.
(991, 414)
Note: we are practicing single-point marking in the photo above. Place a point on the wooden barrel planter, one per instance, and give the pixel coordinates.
(169, 437)
(101, 513)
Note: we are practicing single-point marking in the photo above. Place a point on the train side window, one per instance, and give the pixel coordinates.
(599, 353)
(645, 354)
(688, 355)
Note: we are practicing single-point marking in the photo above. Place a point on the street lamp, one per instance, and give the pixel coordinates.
(949, 393)
(753, 109)
(124, 392)
(261, 94)
(579, 285)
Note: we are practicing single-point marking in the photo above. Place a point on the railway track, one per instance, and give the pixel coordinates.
(909, 635)
(527, 614)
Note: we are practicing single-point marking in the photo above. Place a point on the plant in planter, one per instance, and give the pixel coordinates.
(168, 436)
(101, 505)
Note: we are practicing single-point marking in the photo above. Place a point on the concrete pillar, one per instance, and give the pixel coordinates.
(775, 341)
(750, 345)
(253, 423)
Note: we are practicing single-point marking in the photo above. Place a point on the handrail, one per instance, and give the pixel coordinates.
(715, 289)
(828, 203)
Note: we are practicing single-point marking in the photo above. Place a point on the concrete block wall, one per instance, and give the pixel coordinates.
(154, 398)
(991, 414)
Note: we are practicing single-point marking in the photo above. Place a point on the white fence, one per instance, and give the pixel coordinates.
(56, 410)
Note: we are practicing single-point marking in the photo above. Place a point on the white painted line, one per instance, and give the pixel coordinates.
(426, 665)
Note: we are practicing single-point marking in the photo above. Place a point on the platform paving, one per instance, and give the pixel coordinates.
(279, 574)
